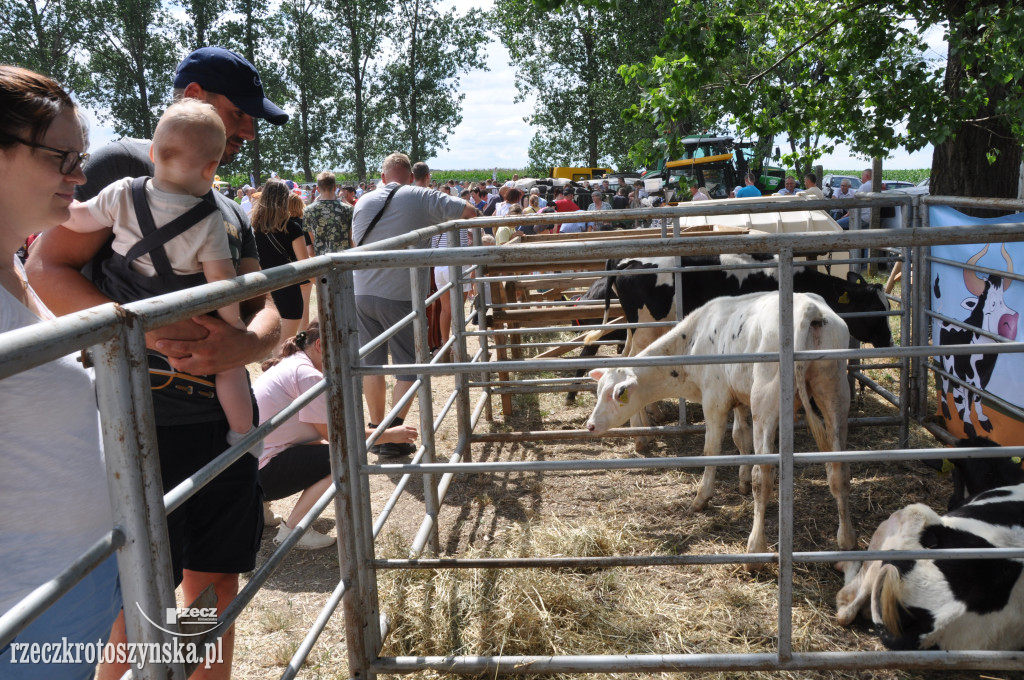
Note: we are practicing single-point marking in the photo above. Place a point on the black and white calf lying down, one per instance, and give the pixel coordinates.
(744, 324)
(948, 604)
(944, 604)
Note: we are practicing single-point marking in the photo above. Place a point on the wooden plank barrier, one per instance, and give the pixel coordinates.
(526, 301)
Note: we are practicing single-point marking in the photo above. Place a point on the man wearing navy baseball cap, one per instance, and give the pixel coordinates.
(215, 535)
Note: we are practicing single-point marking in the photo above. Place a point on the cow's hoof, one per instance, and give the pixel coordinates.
(755, 567)
(699, 505)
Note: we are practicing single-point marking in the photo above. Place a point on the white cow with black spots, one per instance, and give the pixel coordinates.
(944, 604)
(733, 325)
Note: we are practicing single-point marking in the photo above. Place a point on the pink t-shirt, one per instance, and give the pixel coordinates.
(278, 387)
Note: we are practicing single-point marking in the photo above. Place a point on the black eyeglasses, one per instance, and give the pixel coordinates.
(69, 160)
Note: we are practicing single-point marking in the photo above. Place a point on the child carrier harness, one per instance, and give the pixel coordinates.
(123, 284)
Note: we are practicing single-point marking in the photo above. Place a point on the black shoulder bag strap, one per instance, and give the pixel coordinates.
(376, 219)
(153, 239)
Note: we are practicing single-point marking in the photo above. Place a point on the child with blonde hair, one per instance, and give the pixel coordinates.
(169, 233)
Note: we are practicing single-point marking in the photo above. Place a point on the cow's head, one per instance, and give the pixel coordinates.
(857, 295)
(880, 586)
(616, 389)
(997, 318)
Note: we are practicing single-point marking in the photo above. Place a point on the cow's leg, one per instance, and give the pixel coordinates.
(979, 415)
(948, 366)
(839, 485)
(715, 418)
(641, 338)
(765, 410)
(962, 404)
(743, 437)
(834, 402)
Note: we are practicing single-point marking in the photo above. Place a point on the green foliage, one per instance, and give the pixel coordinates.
(359, 78)
(44, 37)
(855, 72)
(131, 51)
(568, 59)
(311, 139)
(435, 47)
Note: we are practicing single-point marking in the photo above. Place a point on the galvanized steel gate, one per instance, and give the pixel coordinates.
(117, 337)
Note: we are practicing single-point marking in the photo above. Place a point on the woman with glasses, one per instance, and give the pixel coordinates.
(54, 502)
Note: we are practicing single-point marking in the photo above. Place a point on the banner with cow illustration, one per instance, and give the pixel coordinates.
(984, 301)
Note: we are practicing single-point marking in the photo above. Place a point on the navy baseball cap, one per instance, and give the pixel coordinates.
(223, 72)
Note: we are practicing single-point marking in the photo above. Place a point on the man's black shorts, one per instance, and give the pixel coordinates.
(219, 528)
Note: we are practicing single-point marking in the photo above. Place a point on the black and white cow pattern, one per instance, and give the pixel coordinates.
(989, 312)
(960, 604)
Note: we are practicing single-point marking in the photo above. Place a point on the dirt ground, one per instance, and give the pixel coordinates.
(486, 509)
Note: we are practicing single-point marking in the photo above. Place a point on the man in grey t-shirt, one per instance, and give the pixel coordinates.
(384, 296)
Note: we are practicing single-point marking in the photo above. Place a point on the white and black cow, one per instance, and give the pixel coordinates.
(989, 312)
(744, 324)
(647, 294)
(944, 604)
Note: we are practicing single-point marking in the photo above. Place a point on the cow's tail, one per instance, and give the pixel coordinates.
(886, 598)
(810, 318)
(593, 336)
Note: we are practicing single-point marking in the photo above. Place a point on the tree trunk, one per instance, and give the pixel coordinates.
(250, 54)
(959, 165)
(414, 133)
(590, 72)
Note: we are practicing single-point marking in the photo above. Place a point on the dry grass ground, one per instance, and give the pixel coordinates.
(689, 609)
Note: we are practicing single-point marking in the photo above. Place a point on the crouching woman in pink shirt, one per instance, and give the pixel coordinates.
(296, 456)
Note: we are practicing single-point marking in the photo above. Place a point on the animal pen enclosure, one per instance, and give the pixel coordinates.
(436, 466)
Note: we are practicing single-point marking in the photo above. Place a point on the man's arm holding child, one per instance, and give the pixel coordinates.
(201, 346)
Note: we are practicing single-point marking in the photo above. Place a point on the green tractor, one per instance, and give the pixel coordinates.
(717, 163)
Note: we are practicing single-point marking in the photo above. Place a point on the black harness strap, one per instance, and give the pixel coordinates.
(376, 218)
(153, 239)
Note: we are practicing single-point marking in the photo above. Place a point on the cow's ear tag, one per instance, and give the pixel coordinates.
(844, 299)
(1016, 460)
(947, 467)
(623, 396)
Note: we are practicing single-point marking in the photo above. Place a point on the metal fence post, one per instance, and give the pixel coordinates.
(920, 270)
(786, 397)
(421, 332)
(463, 412)
(136, 491)
(481, 322)
(340, 336)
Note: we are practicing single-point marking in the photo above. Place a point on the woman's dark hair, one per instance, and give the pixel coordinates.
(28, 101)
(513, 196)
(298, 343)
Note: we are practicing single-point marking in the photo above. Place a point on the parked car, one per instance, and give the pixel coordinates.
(924, 182)
(831, 183)
(897, 184)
